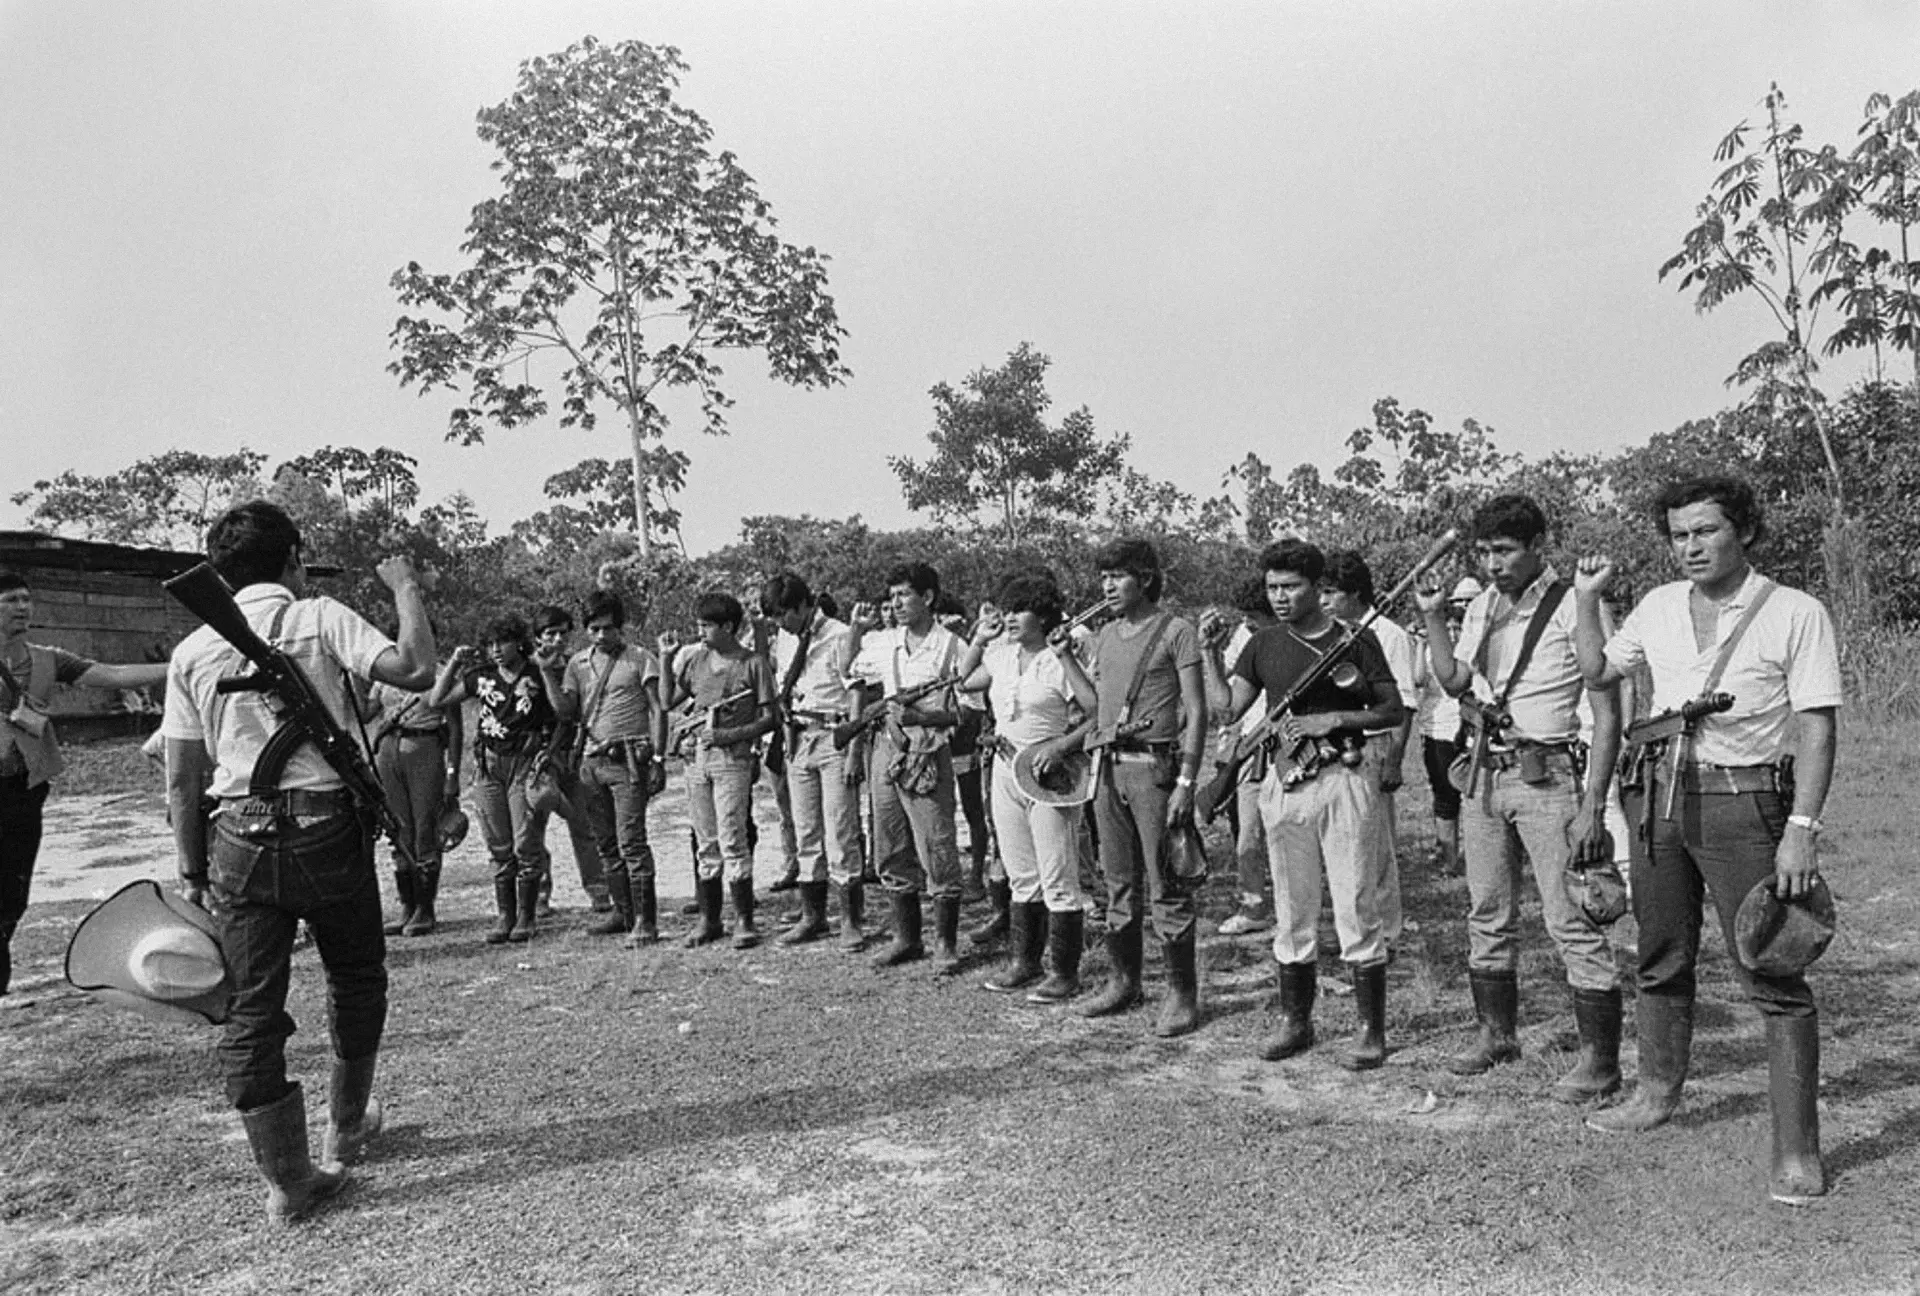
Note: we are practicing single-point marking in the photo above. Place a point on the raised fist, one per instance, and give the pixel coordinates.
(1593, 574)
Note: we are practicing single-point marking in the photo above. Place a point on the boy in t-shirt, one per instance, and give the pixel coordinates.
(726, 692)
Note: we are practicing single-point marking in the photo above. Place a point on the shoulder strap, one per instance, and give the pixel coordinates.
(1537, 626)
(803, 643)
(1160, 624)
(1760, 597)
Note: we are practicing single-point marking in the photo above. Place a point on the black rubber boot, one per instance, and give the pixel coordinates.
(813, 916)
(1066, 937)
(404, 888)
(1180, 1014)
(1368, 1051)
(620, 891)
(353, 1113)
(1293, 1033)
(1122, 990)
(1028, 921)
(711, 895)
(1597, 1073)
(946, 934)
(905, 946)
(506, 901)
(999, 919)
(853, 916)
(1664, 1024)
(745, 934)
(527, 894)
(277, 1133)
(1496, 1002)
(646, 917)
(426, 892)
(1793, 1088)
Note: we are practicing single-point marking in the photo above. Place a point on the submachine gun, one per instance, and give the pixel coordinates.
(1305, 756)
(290, 695)
(1670, 734)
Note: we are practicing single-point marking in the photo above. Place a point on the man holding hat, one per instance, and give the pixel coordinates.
(1745, 814)
(297, 849)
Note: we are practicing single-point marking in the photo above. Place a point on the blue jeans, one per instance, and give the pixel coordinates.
(20, 820)
(267, 874)
(516, 836)
(720, 803)
(616, 806)
(1130, 808)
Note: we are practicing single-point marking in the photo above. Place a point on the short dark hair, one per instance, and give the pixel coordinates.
(1509, 517)
(786, 592)
(252, 543)
(1348, 572)
(1292, 554)
(602, 603)
(12, 580)
(719, 608)
(1035, 594)
(1137, 558)
(551, 616)
(924, 579)
(827, 603)
(1734, 496)
(510, 627)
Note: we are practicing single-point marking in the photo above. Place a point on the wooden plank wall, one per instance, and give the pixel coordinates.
(110, 617)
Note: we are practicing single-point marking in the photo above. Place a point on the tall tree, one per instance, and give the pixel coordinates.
(621, 247)
(997, 461)
(165, 499)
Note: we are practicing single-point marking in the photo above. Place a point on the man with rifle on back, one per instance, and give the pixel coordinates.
(1529, 783)
(1735, 804)
(292, 836)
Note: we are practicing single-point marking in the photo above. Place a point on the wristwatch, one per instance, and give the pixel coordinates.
(1808, 822)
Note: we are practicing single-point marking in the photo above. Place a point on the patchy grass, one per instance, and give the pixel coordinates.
(571, 1117)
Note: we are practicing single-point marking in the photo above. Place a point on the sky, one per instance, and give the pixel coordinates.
(1233, 227)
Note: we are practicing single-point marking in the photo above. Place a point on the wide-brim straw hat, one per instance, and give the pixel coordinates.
(154, 953)
(1068, 783)
(1776, 937)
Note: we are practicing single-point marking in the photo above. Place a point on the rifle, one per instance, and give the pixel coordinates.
(1675, 727)
(847, 730)
(290, 695)
(1487, 722)
(692, 718)
(1305, 756)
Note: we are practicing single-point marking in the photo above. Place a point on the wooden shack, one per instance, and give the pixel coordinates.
(102, 601)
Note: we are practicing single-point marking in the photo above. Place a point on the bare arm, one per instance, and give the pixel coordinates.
(1193, 743)
(102, 676)
(1589, 626)
(409, 664)
(188, 770)
(1795, 861)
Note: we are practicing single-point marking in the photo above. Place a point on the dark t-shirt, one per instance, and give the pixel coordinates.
(513, 710)
(1115, 660)
(1277, 656)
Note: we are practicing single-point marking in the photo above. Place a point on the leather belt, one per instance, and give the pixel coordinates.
(439, 731)
(1729, 780)
(292, 801)
(1505, 758)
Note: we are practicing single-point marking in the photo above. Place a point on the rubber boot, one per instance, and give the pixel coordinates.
(277, 1133)
(646, 916)
(426, 892)
(946, 934)
(404, 888)
(620, 891)
(853, 915)
(711, 894)
(506, 900)
(1028, 945)
(1293, 1033)
(353, 1113)
(1122, 990)
(1496, 1002)
(527, 891)
(813, 916)
(999, 918)
(1066, 937)
(1597, 1073)
(745, 934)
(1793, 1086)
(1180, 1014)
(905, 946)
(1369, 1048)
(543, 894)
(1664, 1024)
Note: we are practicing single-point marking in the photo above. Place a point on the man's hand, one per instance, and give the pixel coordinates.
(550, 658)
(1215, 628)
(398, 572)
(194, 892)
(1297, 728)
(1593, 574)
(1587, 831)
(1429, 595)
(866, 616)
(1392, 775)
(1796, 863)
(1180, 806)
(668, 642)
(989, 625)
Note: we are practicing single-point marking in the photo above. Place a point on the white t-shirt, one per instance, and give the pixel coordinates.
(1030, 705)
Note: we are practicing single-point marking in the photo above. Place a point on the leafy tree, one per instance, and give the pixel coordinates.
(623, 249)
(168, 499)
(1877, 287)
(995, 457)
